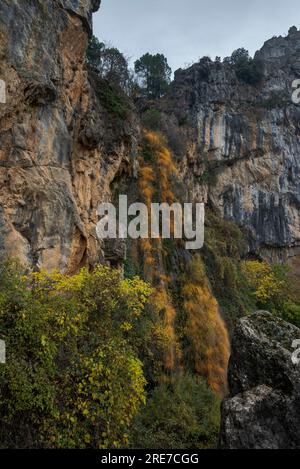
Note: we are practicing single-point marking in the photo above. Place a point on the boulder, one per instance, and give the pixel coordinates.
(263, 409)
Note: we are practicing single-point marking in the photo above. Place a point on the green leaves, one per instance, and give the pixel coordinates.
(72, 376)
(154, 74)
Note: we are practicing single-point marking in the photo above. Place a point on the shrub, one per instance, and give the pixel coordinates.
(72, 377)
(113, 99)
(181, 415)
(273, 289)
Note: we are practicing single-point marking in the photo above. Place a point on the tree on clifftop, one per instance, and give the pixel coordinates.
(109, 63)
(154, 74)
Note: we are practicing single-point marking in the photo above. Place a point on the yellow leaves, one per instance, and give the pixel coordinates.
(126, 327)
(153, 138)
(80, 376)
(43, 340)
(147, 174)
(264, 279)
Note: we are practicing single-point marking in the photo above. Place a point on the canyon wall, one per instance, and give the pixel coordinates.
(237, 144)
(245, 140)
(59, 147)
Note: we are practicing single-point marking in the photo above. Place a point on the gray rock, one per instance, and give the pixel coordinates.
(246, 139)
(263, 410)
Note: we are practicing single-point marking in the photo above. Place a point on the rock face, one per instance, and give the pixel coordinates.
(59, 147)
(245, 140)
(263, 410)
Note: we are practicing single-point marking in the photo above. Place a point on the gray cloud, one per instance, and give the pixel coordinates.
(185, 30)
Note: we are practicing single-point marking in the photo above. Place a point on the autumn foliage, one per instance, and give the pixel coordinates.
(207, 352)
(205, 332)
(73, 378)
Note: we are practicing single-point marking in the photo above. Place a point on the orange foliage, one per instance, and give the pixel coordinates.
(205, 329)
(160, 173)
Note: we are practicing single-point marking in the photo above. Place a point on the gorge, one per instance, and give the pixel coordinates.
(68, 144)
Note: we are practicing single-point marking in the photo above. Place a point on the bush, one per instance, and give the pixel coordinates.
(72, 377)
(152, 119)
(273, 290)
(113, 99)
(181, 415)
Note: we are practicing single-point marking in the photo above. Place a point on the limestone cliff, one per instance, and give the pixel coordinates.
(242, 154)
(59, 147)
(237, 144)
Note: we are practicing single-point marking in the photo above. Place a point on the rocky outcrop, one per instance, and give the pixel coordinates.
(243, 154)
(263, 410)
(60, 147)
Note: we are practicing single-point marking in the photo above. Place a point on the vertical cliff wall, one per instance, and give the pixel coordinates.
(243, 150)
(59, 146)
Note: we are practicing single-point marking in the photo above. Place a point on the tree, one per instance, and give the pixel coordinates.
(182, 414)
(154, 74)
(240, 56)
(72, 378)
(94, 53)
(247, 69)
(109, 62)
(274, 289)
(114, 66)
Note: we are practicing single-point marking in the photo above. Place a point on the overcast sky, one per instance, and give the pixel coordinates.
(185, 30)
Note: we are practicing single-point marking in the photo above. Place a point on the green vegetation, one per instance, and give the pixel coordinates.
(72, 377)
(243, 286)
(154, 74)
(273, 289)
(248, 70)
(109, 63)
(183, 414)
(222, 253)
(113, 99)
(94, 53)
